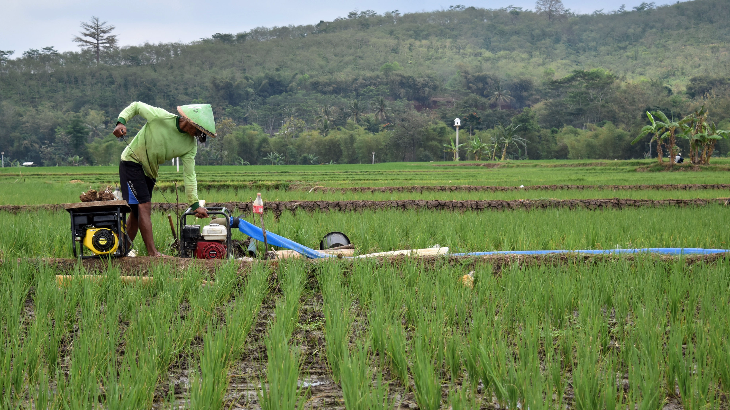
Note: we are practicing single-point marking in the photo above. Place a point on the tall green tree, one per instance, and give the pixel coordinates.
(78, 132)
(550, 8)
(96, 36)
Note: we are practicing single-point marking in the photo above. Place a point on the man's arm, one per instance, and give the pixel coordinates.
(191, 183)
(147, 112)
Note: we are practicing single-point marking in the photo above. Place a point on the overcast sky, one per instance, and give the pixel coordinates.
(36, 24)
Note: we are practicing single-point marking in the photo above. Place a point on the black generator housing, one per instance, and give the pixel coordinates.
(101, 224)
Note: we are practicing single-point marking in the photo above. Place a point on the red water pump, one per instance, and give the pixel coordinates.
(210, 250)
(212, 241)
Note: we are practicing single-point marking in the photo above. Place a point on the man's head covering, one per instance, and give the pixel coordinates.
(201, 115)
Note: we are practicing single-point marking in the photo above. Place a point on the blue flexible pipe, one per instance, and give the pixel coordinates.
(661, 251)
(273, 239)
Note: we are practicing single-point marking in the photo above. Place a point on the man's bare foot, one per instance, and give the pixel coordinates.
(160, 255)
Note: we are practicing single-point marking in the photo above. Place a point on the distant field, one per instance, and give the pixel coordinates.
(22, 186)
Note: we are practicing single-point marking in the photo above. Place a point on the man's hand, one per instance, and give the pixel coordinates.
(120, 130)
(201, 212)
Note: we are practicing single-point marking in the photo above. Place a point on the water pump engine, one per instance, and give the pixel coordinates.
(207, 242)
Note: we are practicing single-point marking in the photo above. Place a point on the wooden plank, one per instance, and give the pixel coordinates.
(97, 206)
(409, 252)
(287, 254)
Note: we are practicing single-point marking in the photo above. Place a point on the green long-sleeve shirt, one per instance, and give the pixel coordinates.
(160, 140)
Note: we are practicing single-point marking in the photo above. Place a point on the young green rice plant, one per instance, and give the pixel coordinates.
(226, 281)
(587, 379)
(15, 282)
(359, 390)
(529, 378)
(694, 378)
(395, 346)
(428, 386)
(242, 315)
(338, 317)
(452, 355)
(282, 372)
(460, 399)
(647, 362)
(555, 385)
(377, 319)
(208, 387)
(132, 383)
(499, 368)
(94, 348)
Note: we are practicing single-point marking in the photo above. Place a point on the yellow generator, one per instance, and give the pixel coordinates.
(99, 228)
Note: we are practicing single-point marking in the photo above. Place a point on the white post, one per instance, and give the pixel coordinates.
(373, 158)
(457, 123)
(3, 155)
(178, 164)
(457, 144)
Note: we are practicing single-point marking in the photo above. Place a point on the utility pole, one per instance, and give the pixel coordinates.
(457, 123)
(373, 158)
(3, 156)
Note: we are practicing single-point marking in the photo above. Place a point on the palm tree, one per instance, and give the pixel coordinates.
(324, 119)
(500, 96)
(380, 108)
(355, 111)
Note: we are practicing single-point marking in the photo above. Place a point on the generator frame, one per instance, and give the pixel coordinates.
(213, 210)
(111, 213)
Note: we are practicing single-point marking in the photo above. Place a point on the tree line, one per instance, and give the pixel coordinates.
(527, 84)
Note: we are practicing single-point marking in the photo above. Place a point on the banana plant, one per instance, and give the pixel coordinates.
(476, 147)
(654, 129)
(452, 148)
(508, 135)
(670, 128)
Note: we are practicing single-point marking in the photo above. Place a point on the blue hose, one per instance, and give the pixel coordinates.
(273, 239)
(660, 251)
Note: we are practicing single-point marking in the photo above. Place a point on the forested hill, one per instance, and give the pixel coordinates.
(570, 86)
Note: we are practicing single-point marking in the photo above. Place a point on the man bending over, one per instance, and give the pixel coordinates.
(165, 136)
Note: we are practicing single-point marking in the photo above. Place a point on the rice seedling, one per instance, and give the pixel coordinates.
(281, 390)
(395, 347)
(337, 316)
(208, 387)
(461, 400)
(427, 385)
(222, 346)
(243, 313)
(359, 390)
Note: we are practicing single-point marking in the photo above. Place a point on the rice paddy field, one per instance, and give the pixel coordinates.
(440, 332)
